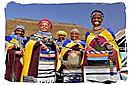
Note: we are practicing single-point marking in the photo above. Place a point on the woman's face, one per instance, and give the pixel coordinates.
(44, 27)
(97, 19)
(74, 35)
(19, 32)
(61, 37)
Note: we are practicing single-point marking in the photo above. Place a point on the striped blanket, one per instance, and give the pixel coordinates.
(97, 55)
(46, 68)
(73, 75)
(46, 72)
(99, 74)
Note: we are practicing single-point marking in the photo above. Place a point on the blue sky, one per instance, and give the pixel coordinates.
(77, 13)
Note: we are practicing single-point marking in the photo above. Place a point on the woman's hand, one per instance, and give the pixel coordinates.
(44, 47)
(20, 53)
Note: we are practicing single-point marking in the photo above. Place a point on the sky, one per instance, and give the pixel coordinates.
(76, 13)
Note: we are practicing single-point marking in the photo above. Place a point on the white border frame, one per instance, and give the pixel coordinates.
(3, 4)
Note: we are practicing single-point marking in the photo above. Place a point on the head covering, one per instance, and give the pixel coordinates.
(46, 20)
(61, 33)
(74, 30)
(19, 27)
(97, 11)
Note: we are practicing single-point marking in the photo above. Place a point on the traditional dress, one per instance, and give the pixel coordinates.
(59, 43)
(14, 61)
(34, 55)
(95, 40)
(68, 44)
(48, 39)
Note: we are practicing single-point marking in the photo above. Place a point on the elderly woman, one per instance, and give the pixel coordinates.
(15, 51)
(71, 55)
(102, 38)
(72, 43)
(41, 48)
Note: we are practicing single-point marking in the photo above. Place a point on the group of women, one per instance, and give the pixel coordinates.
(19, 65)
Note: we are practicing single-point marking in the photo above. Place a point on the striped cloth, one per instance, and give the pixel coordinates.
(46, 72)
(45, 56)
(97, 55)
(99, 74)
(46, 69)
(72, 75)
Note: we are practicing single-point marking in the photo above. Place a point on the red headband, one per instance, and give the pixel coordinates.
(50, 23)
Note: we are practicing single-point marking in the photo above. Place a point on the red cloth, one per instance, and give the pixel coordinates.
(33, 68)
(13, 64)
(46, 21)
(101, 40)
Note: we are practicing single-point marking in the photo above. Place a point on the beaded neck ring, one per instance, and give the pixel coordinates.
(97, 30)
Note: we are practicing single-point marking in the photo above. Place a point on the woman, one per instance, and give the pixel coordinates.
(61, 34)
(102, 38)
(15, 51)
(40, 49)
(70, 56)
(72, 43)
